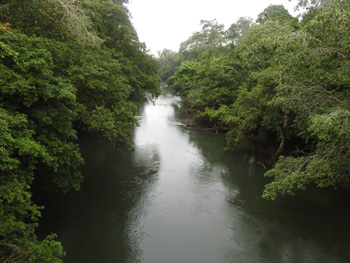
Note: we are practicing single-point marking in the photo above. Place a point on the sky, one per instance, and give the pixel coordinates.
(166, 23)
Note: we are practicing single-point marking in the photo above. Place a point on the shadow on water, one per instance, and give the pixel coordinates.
(309, 227)
(180, 197)
(95, 224)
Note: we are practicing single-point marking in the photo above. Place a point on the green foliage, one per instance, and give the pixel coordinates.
(315, 89)
(32, 16)
(289, 176)
(28, 85)
(67, 66)
(101, 83)
(205, 43)
(19, 155)
(327, 166)
(167, 62)
(252, 108)
(113, 25)
(276, 13)
(114, 124)
(208, 86)
(238, 29)
(282, 77)
(185, 77)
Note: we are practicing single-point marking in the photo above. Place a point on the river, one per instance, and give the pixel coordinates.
(180, 197)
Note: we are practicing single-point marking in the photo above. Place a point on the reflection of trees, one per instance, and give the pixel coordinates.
(100, 223)
(297, 230)
(93, 224)
(309, 227)
(240, 163)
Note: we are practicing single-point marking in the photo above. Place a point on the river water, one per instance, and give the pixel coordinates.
(180, 197)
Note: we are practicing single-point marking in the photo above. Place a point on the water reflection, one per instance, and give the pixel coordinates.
(181, 197)
(97, 223)
(310, 227)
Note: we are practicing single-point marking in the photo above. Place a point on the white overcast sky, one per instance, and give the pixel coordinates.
(166, 23)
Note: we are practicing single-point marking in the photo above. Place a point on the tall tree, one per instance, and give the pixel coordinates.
(167, 62)
(23, 148)
(205, 42)
(237, 29)
(274, 12)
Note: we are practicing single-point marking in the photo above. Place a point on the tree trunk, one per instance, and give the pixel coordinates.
(283, 139)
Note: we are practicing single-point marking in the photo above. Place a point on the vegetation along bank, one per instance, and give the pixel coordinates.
(65, 66)
(281, 78)
(78, 66)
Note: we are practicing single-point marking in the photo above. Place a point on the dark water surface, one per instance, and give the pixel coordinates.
(181, 198)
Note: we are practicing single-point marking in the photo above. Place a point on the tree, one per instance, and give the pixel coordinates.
(237, 29)
(113, 25)
(275, 12)
(283, 78)
(29, 86)
(167, 62)
(20, 154)
(315, 90)
(205, 42)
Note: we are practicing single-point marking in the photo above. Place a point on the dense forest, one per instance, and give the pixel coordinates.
(77, 66)
(65, 67)
(284, 80)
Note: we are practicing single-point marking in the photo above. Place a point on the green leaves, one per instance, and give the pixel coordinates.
(205, 42)
(289, 176)
(19, 156)
(167, 62)
(282, 77)
(314, 89)
(277, 13)
(65, 67)
(114, 125)
(238, 29)
(113, 24)
(327, 166)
